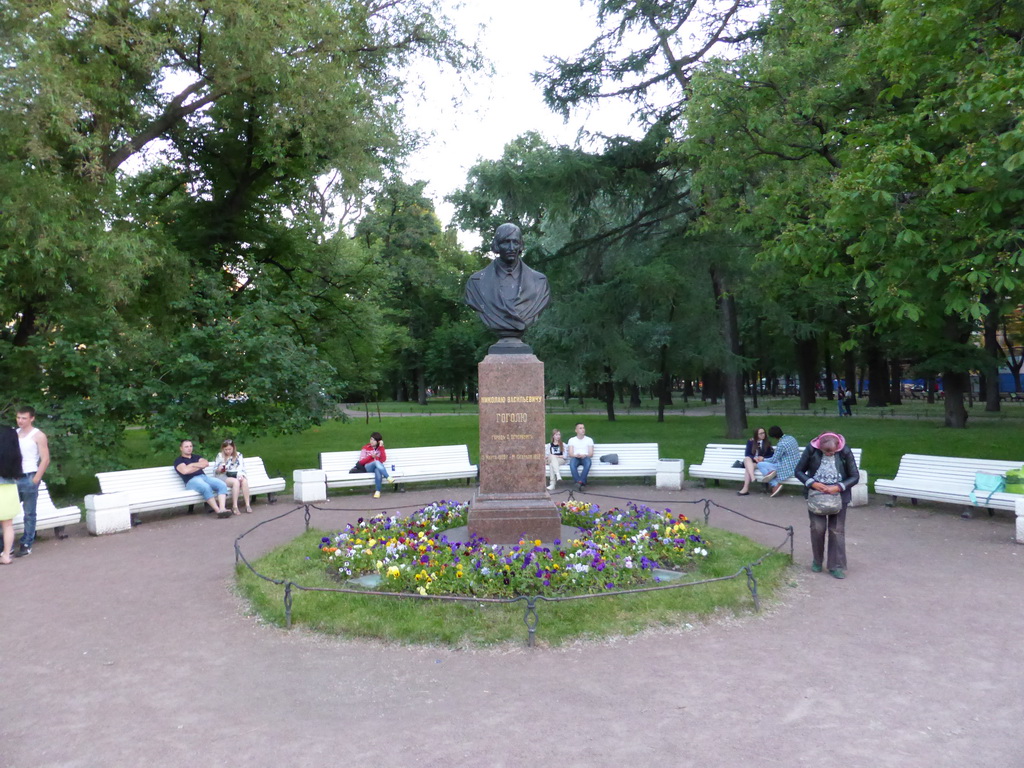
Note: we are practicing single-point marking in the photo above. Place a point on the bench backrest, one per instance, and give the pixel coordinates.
(630, 454)
(948, 471)
(407, 460)
(153, 481)
(165, 481)
(725, 454)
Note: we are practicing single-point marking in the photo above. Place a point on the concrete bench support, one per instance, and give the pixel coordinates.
(309, 485)
(670, 474)
(107, 513)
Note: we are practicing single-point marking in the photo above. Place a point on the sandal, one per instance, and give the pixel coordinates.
(234, 511)
(248, 509)
(742, 493)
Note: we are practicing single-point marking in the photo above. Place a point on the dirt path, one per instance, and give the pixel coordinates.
(132, 650)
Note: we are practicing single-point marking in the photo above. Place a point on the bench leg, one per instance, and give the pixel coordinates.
(271, 498)
(59, 532)
(913, 502)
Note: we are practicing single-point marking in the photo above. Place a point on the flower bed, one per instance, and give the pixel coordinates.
(619, 549)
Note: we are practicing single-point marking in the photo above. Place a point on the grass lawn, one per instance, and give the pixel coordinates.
(883, 439)
(417, 620)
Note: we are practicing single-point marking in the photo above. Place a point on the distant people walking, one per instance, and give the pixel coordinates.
(848, 400)
(827, 466)
(10, 473)
(230, 467)
(581, 455)
(841, 401)
(373, 458)
(556, 456)
(191, 467)
(35, 458)
(759, 448)
(782, 464)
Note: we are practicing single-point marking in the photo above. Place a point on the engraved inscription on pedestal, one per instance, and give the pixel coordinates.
(512, 500)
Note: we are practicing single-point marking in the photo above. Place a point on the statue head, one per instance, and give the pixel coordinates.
(508, 244)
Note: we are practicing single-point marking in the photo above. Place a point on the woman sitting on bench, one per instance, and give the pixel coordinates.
(230, 466)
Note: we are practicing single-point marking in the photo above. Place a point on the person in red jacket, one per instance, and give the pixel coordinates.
(373, 458)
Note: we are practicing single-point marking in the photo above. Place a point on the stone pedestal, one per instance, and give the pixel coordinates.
(512, 500)
(107, 513)
(309, 485)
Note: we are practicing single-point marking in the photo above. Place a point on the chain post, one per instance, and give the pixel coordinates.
(531, 619)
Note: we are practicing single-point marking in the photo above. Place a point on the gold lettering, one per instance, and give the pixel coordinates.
(511, 418)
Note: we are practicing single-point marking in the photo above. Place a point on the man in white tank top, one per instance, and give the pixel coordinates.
(35, 458)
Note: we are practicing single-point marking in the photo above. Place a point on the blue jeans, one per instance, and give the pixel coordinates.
(28, 492)
(208, 486)
(379, 472)
(767, 467)
(574, 466)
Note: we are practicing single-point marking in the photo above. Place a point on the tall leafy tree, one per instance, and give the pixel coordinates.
(160, 165)
(423, 270)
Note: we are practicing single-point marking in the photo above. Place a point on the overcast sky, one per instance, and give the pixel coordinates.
(517, 38)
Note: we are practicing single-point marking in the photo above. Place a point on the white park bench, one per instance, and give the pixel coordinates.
(635, 460)
(950, 480)
(720, 457)
(48, 515)
(130, 491)
(412, 465)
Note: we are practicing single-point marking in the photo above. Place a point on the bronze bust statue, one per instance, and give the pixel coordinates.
(507, 295)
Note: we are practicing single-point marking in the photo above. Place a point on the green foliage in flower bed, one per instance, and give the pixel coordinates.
(604, 550)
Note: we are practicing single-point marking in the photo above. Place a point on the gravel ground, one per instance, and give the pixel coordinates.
(133, 649)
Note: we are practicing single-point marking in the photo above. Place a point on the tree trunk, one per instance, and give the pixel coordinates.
(807, 362)
(878, 375)
(991, 330)
(634, 396)
(955, 384)
(421, 385)
(735, 405)
(896, 381)
(664, 385)
(609, 393)
(929, 383)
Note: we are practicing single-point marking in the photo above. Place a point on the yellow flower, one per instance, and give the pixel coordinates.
(380, 564)
(422, 591)
(537, 543)
(371, 542)
(393, 572)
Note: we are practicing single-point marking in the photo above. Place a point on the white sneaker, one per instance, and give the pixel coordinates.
(551, 487)
(376, 494)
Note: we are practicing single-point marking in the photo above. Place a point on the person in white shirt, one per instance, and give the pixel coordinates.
(581, 453)
(35, 458)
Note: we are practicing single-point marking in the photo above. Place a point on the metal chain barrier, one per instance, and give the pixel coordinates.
(530, 616)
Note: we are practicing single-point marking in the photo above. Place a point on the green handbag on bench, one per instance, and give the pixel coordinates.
(1015, 481)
